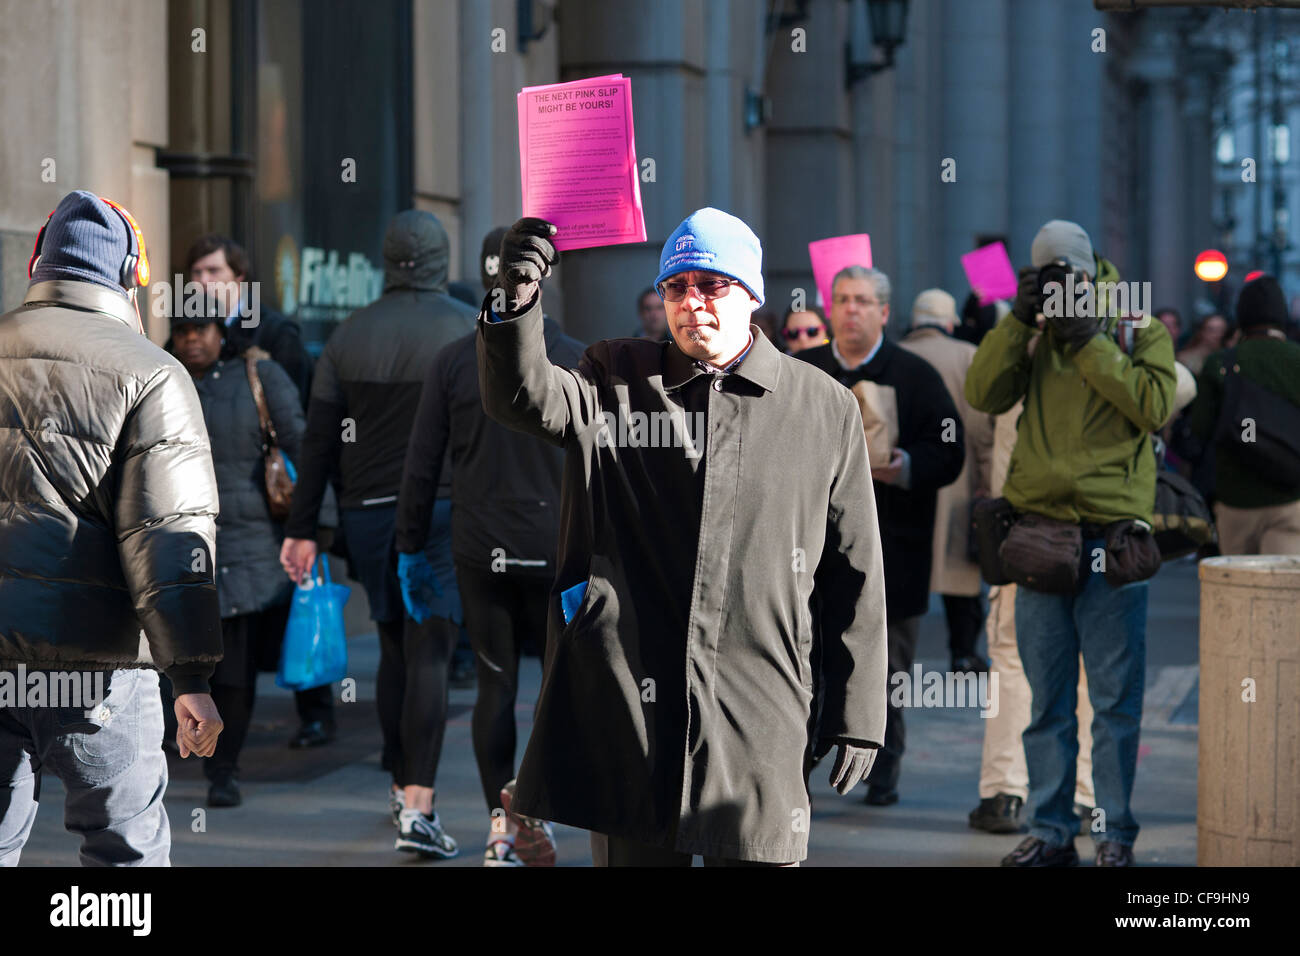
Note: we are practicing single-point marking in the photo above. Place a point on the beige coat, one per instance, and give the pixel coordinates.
(951, 572)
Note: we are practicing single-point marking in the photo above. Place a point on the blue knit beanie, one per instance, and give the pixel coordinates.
(710, 240)
(84, 240)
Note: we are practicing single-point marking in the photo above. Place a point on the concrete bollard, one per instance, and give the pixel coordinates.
(1248, 767)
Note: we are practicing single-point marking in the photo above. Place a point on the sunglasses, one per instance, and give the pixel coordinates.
(675, 291)
(808, 332)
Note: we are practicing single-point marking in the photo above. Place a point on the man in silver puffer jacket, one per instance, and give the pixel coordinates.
(107, 510)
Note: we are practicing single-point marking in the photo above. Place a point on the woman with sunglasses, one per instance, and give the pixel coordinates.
(803, 329)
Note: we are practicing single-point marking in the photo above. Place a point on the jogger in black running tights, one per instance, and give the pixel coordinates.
(505, 493)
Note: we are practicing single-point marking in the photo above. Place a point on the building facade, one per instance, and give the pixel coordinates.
(301, 126)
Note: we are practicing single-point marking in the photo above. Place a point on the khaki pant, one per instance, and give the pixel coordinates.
(1003, 768)
(1271, 530)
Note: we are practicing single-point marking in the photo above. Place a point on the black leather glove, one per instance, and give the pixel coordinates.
(526, 258)
(1073, 332)
(852, 764)
(1025, 308)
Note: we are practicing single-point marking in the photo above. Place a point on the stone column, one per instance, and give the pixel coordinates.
(811, 165)
(976, 77)
(1038, 124)
(662, 47)
(1166, 182)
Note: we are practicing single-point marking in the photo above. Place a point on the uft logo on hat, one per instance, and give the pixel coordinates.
(710, 240)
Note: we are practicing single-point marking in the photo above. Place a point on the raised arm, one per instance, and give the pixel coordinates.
(519, 386)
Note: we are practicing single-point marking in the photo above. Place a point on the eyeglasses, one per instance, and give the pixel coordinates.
(675, 291)
(862, 300)
(806, 331)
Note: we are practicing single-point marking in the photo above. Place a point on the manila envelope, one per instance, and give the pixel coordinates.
(879, 407)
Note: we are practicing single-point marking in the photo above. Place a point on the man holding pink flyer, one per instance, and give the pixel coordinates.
(678, 714)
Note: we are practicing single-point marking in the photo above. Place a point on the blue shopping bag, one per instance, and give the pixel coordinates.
(315, 649)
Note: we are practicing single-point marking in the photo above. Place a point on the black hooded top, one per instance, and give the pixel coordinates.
(367, 382)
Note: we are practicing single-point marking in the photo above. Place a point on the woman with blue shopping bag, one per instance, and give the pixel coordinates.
(255, 597)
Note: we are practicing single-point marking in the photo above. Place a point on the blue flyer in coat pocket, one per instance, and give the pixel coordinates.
(571, 600)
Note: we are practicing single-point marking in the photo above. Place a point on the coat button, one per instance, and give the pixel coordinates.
(717, 384)
(223, 570)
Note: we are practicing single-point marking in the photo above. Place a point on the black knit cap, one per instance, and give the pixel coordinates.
(1261, 303)
(85, 240)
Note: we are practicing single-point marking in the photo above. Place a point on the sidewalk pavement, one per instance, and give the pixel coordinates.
(329, 806)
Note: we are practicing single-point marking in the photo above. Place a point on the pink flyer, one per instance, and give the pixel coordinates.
(990, 273)
(577, 161)
(829, 256)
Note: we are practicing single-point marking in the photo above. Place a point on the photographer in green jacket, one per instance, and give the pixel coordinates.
(1082, 479)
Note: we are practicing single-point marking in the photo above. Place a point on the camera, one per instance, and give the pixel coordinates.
(1059, 271)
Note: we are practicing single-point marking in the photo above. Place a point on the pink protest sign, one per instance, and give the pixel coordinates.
(829, 256)
(989, 271)
(577, 161)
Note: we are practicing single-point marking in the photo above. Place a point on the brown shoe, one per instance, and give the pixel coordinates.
(535, 841)
(1111, 853)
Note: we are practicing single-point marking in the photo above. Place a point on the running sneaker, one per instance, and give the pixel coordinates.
(396, 804)
(535, 841)
(500, 853)
(424, 835)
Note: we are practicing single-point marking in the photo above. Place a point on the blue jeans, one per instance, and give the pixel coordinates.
(111, 765)
(1108, 625)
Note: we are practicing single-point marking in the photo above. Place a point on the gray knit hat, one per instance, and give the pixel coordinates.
(1062, 239)
(85, 241)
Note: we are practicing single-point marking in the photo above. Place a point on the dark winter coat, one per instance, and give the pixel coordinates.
(282, 338)
(930, 431)
(676, 705)
(249, 577)
(505, 487)
(367, 382)
(107, 494)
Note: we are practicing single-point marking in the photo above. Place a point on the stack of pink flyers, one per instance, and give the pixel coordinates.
(577, 161)
(829, 256)
(990, 273)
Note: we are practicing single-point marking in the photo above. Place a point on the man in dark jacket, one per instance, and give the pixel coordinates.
(106, 546)
(222, 267)
(505, 496)
(1257, 511)
(929, 455)
(364, 399)
(686, 624)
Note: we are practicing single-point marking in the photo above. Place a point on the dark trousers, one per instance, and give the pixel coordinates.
(901, 635)
(504, 612)
(411, 691)
(246, 639)
(965, 618)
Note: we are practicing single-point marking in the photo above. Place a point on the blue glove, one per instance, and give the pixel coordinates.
(419, 585)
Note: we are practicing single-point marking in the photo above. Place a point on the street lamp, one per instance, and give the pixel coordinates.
(888, 27)
(1211, 265)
